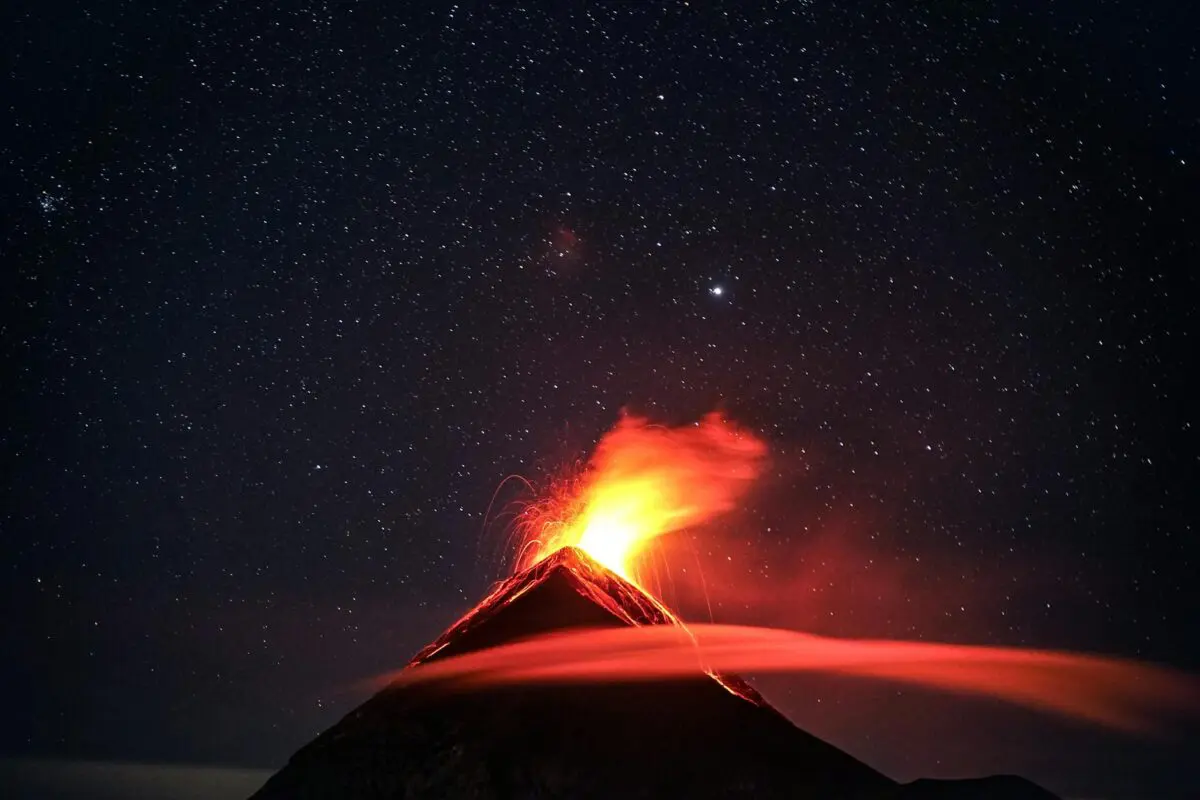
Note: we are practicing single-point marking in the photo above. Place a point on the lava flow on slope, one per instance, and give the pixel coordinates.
(567, 590)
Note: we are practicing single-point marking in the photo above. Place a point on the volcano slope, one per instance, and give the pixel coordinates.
(704, 737)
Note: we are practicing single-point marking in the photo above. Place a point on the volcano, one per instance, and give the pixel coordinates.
(711, 736)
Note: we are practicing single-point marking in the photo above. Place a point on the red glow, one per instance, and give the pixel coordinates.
(1116, 693)
(642, 482)
(645, 481)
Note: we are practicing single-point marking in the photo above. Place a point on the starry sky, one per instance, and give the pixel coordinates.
(289, 291)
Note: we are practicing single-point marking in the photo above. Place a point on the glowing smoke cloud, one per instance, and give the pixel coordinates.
(642, 482)
(1116, 693)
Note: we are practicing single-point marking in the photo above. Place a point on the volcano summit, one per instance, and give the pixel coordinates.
(709, 736)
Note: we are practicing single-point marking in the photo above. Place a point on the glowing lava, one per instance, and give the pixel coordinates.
(644, 481)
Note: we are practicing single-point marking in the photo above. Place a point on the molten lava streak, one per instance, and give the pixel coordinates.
(644, 481)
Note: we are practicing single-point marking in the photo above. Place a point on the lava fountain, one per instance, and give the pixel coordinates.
(642, 482)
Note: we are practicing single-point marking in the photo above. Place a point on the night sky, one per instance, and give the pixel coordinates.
(287, 293)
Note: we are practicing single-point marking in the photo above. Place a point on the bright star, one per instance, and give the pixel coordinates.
(717, 291)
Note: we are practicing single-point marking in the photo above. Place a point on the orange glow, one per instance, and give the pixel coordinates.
(642, 482)
(1116, 693)
(645, 481)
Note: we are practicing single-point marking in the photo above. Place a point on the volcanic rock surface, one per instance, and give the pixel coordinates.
(707, 737)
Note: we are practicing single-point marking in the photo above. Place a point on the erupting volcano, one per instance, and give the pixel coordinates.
(643, 481)
(570, 679)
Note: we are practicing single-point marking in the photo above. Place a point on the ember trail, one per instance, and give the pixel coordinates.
(644, 481)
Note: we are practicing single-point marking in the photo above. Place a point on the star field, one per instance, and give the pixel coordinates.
(289, 291)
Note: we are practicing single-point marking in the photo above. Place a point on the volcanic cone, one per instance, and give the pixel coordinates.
(711, 736)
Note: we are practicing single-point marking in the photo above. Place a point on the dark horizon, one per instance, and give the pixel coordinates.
(290, 292)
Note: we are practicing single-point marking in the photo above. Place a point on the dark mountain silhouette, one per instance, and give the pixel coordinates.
(706, 737)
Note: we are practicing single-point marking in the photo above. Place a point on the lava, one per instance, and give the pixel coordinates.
(1116, 693)
(620, 598)
(642, 482)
